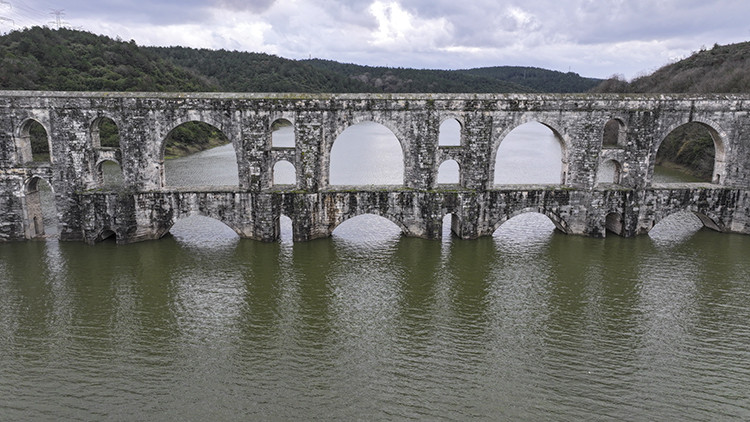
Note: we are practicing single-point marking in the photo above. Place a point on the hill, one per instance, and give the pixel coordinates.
(69, 60)
(65, 59)
(722, 69)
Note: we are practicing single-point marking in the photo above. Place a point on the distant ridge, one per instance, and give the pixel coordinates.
(70, 60)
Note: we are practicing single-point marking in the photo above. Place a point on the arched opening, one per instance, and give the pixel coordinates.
(199, 154)
(203, 232)
(367, 153)
(614, 223)
(108, 235)
(449, 172)
(530, 154)
(450, 133)
(680, 225)
(104, 133)
(614, 134)
(284, 173)
(367, 229)
(41, 209)
(689, 154)
(35, 143)
(282, 134)
(109, 175)
(609, 172)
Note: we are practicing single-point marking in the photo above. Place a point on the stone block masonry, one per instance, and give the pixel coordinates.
(146, 209)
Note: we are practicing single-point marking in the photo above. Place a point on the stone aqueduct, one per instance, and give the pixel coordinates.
(146, 209)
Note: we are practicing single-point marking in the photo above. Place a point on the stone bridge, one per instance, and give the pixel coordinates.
(621, 131)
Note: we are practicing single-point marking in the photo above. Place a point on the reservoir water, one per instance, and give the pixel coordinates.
(529, 324)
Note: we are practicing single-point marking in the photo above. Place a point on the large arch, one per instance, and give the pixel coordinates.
(693, 136)
(516, 148)
(198, 138)
(40, 208)
(205, 226)
(367, 153)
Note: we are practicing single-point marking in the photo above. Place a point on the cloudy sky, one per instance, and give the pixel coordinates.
(596, 38)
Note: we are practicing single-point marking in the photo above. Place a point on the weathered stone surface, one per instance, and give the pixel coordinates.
(145, 209)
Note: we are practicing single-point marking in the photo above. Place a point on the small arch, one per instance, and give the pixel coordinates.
(614, 134)
(282, 134)
(610, 171)
(41, 208)
(198, 154)
(367, 153)
(284, 173)
(106, 234)
(367, 228)
(695, 149)
(105, 133)
(450, 133)
(532, 153)
(449, 172)
(34, 143)
(109, 175)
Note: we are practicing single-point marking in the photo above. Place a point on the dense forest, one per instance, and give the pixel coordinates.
(70, 60)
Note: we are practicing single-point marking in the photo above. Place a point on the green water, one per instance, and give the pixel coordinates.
(529, 324)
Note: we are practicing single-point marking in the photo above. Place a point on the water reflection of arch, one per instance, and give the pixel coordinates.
(557, 220)
(720, 149)
(499, 135)
(342, 217)
(342, 125)
(709, 218)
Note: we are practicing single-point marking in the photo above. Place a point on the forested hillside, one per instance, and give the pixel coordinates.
(68, 60)
(722, 69)
(65, 59)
